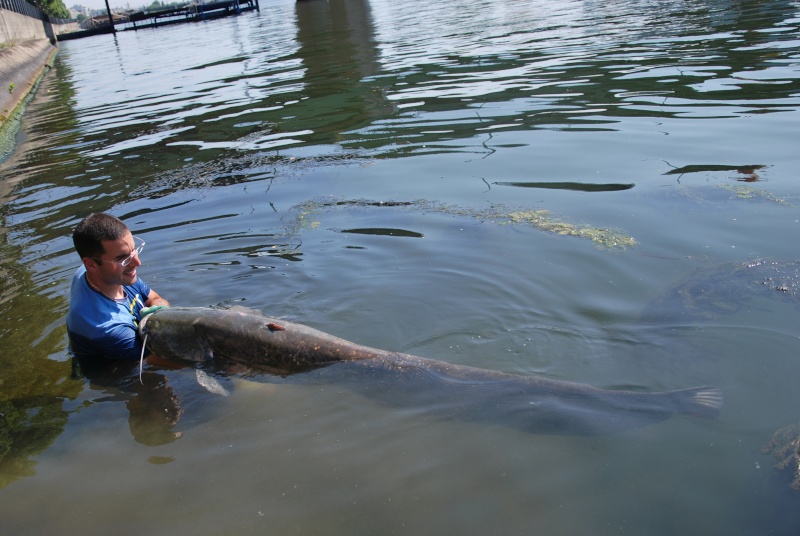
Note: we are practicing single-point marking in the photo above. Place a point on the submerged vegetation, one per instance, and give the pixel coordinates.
(540, 219)
(748, 192)
(544, 220)
(785, 448)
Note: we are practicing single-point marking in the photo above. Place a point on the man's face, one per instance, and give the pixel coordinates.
(113, 273)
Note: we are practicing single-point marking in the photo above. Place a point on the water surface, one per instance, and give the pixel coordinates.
(508, 185)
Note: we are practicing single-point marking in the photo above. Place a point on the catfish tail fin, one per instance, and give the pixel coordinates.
(699, 401)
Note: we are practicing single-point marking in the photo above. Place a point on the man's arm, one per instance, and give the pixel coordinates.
(154, 299)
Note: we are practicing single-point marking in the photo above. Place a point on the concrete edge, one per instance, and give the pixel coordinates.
(22, 65)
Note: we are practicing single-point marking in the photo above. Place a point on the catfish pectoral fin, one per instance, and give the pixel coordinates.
(210, 383)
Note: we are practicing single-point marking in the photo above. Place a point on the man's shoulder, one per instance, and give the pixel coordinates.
(80, 298)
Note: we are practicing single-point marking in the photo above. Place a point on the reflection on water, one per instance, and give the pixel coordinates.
(746, 173)
(153, 406)
(29, 427)
(285, 158)
(579, 186)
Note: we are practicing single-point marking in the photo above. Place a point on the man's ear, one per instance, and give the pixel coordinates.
(90, 264)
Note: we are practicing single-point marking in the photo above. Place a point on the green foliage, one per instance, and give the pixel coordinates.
(54, 8)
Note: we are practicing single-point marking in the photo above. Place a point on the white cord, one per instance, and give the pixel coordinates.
(141, 359)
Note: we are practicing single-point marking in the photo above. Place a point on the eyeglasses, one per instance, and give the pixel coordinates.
(126, 260)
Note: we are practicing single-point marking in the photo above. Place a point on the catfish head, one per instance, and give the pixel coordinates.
(171, 333)
(245, 337)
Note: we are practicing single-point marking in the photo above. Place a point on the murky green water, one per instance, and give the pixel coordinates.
(509, 185)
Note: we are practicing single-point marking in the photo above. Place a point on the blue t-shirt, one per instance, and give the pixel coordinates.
(101, 327)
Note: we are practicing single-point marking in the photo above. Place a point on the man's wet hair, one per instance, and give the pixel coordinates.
(90, 233)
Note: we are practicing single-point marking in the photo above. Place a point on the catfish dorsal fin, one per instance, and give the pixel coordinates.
(245, 310)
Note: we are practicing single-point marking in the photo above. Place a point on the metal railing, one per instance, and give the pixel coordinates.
(24, 8)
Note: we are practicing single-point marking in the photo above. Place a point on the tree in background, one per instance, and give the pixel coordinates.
(54, 8)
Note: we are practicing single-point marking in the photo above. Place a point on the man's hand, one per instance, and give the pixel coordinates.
(150, 310)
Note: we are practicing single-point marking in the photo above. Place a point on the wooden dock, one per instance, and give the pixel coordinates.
(190, 12)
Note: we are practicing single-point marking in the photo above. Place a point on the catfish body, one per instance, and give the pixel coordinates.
(532, 403)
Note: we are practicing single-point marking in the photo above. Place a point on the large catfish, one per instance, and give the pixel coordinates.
(531, 403)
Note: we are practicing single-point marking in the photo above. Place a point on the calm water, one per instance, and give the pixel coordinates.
(379, 170)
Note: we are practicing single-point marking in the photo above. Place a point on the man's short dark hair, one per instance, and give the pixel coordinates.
(90, 233)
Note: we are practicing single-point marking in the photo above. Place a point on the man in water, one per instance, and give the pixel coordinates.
(107, 298)
(107, 301)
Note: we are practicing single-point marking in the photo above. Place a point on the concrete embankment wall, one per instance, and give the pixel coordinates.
(18, 27)
(66, 28)
(27, 48)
